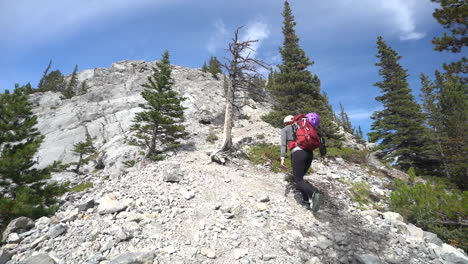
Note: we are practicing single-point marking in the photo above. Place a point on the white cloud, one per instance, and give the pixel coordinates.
(37, 21)
(398, 17)
(402, 16)
(362, 114)
(218, 38)
(256, 30)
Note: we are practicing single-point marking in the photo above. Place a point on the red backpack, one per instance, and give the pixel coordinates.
(305, 134)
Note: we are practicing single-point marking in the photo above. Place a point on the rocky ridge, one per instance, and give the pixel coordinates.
(186, 209)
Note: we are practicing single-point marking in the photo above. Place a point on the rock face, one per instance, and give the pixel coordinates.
(186, 209)
(107, 109)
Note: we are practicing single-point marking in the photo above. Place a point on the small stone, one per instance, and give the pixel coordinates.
(433, 238)
(261, 207)
(169, 250)
(87, 204)
(42, 222)
(208, 252)
(324, 243)
(109, 205)
(13, 238)
(57, 230)
(173, 174)
(133, 258)
(313, 260)
(367, 259)
(264, 199)
(188, 195)
(240, 253)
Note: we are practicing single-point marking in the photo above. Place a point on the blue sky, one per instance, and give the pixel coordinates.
(338, 35)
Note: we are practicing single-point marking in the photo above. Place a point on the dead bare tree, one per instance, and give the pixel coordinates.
(240, 69)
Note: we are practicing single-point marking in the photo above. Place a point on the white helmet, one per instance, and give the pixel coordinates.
(288, 119)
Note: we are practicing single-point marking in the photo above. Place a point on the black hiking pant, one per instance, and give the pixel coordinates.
(301, 161)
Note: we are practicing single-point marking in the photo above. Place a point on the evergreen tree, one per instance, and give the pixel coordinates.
(453, 16)
(214, 66)
(359, 132)
(72, 86)
(83, 148)
(452, 113)
(54, 82)
(83, 88)
(158, 128)
(25, 189)
(344, 120)
(40, 86)
(295, 89)
(400, 125)
(204, 67)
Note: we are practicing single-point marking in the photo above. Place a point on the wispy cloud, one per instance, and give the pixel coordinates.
(361, 114)
(218, 37)
(402, 17)
(37, 21)
(257, 30)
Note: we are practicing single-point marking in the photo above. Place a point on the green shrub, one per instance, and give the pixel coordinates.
(268, 154)
(129, 163)
(351, 155)
(81, 187)
(212, 137)
(274, 118)
(432, 207)
(412, 175)
(244, 116)
(360, 192)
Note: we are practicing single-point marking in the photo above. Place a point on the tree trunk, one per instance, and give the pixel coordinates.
(77, 170)
(227, 143)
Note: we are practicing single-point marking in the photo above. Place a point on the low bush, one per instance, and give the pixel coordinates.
(268, 154)
(81, 187)
(211, 138)
(351, 155)
(360, 193)
(433, 207)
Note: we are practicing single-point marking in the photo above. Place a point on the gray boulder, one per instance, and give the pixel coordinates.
(134, 258)
(5, 256)
(18, 225)
(43, 258)
(367, 259)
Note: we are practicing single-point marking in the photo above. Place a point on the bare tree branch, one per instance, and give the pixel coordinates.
(239, 68)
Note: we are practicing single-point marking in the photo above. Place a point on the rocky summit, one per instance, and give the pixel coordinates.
(187, 209)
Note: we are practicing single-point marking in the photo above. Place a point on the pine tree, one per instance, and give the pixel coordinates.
(344, 120)
(158, 128)
(214, 66)
(452, 114)
(359, 132)
(72, 86)
(204, 67)
(25, 189)
(295, 89)
(83, 148)
(83, 88)
(400, 125)
(452, 15)
(40, 86)
(54, 82)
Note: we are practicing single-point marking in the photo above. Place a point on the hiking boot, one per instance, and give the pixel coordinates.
(316, 200)
(306, 204)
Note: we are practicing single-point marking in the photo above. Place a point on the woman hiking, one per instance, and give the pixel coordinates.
(301, 159)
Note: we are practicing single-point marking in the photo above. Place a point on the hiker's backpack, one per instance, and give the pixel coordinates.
(305, 135)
